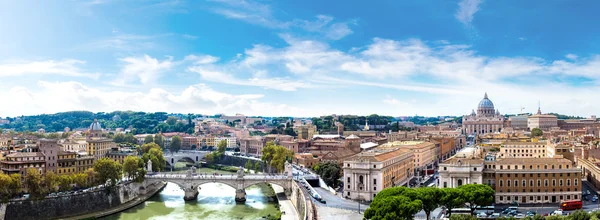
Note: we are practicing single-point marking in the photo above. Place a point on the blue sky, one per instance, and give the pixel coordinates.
(298, 58)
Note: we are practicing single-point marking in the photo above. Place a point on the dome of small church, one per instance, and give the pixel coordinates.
(95, 126)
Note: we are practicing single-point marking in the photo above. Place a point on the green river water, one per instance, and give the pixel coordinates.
(215, 201)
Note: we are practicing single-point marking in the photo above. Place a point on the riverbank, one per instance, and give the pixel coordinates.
(121, 207)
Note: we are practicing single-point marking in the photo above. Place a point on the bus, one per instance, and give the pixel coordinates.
(461, 211)
(485, 209)
(571, 205)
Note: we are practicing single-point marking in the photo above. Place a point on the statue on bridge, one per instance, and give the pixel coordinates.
(149, 167)
(240, 172)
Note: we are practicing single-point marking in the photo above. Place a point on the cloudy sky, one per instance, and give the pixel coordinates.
(299, 58)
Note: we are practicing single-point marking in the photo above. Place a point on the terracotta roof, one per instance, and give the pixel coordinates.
(26, 154)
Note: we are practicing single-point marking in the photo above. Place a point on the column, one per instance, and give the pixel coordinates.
(240, 195)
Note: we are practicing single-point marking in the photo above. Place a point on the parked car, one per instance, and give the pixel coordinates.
(519, 216)
(530, 213)
(595, 198)
(495, 215)
(482, 215)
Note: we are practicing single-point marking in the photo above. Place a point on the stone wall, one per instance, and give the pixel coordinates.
(302, 203)
(66, 206)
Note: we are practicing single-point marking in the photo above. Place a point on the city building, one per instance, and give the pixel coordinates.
(425, 155)
(524, 150)
(231, 141)
(84, 162)
(518, 122)
(187, 143)
(462, 168)
(97, 145)
(73, 146)
(17, 163)
(119, 155)
(305, 132)
(305, 160)
(49, 148)
(252, 146)
(542, 121)
(486, 120)
(67, 162)
(369, 172)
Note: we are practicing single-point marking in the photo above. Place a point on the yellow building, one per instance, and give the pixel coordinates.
(209, 141)
(84, 162)
(424, 152)
(67, 163)
(97, 145)
(524, 150)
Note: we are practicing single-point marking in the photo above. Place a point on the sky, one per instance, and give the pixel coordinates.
(299, 58)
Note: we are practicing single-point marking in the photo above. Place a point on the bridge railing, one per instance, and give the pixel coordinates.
(218, 177)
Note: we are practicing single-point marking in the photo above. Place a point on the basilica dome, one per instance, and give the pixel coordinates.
(486, 103)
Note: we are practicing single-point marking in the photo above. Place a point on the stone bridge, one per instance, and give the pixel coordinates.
(191, 181)
(187, 155)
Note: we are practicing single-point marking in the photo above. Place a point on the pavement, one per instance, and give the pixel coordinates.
(285, 205)
(336, 201)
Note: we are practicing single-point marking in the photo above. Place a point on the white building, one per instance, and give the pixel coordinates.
(231, 141)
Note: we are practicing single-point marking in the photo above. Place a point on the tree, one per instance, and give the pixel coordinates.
(148, 139)
(222, 146)
(462, 217)
(146, 147)
(275, 156)
(451, 198)
(64, 182)
(91, 177)
(129, 138)
(160, 140)
(175, 144)
(330, 172)
(80, 179)
(10, 185)
(580, 215)
(108, 172)
(119, 138)
(33, 181)
(157, 157)
(249, 165)
(394, 203)
(477, 195)
(430, 197)
(257, 167)
(51, 181)
(171, 120)
(536, 132)
(131, 166)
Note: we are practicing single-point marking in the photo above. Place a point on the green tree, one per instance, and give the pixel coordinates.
(15, 184)
(160, 140)
(51, 181)
(580, 215)
(330, 172)
(275, 156)
(222, 146)
(108, 172)
(119, 138)
(451, 198)
(34, 181)
(430, 197)
(394, 203)
(64, 182)
(9, 186)
(157, 157)
(131, 166)
(129, 138)
(249, 165)
(536, 132)
(462, 217)
(91, 179)
(146, 147)
(148, 139)
(257, 167)
(477, 195)
(80, 179)
(171, 120)
(175, 144)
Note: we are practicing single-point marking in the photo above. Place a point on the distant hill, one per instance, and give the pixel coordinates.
(140, 122)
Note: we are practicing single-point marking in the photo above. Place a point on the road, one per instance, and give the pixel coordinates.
(287, 208)
(336, 201)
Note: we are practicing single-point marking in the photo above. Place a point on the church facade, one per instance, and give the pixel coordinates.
(486, 120)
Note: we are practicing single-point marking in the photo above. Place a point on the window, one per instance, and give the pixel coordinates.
(508, 183)
(546, 183)
(374, 188)
(444, 168)
(475, 169)
(568, 182)
(374, 181)
(531, 183)
(348, 179)
(501, 183)
(539, 183)
(560, 182)
(553, 182)
(516, 183)
(445, 184)
(575, 182)
(374, 166)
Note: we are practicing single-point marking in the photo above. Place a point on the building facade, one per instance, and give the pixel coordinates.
(524, 150)
(486, 120)
(425, 153)
(542, 121)
(50, 148)
(369, 172)
(17, 163)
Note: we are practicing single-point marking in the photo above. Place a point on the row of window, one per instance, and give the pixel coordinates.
(539, 183)
(516, 167)
(531, 198)
(538, 175)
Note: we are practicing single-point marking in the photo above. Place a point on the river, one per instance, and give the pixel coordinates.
(215, 201)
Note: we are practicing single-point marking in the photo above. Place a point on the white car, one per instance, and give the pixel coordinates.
(495, 215)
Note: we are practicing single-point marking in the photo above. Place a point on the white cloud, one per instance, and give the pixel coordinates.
(68, 96)
(466, 10)
(201, 59)
(144, 68)
(189, 36)
(124, 42)
(268, 83)
(68, 67)
(571, 56)
(261, 14)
